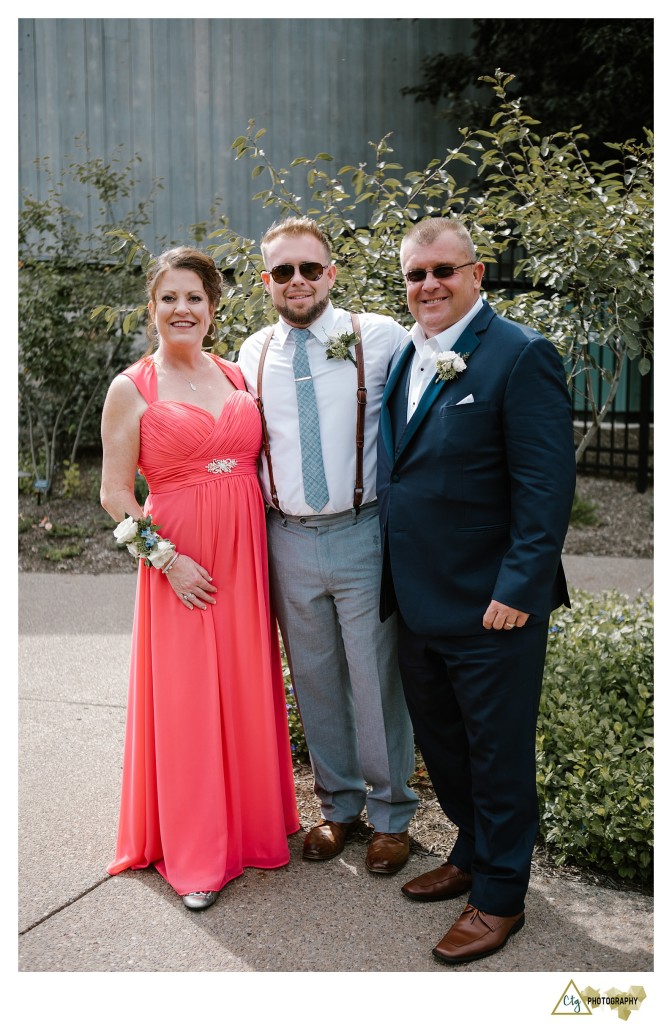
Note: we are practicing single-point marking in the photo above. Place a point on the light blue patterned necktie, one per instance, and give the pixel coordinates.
(314, 481)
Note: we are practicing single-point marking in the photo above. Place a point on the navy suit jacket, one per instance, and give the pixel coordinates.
(475, 498)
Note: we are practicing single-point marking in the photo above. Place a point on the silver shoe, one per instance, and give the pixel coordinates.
(199, 900)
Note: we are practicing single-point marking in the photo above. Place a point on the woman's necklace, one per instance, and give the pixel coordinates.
(189, 382)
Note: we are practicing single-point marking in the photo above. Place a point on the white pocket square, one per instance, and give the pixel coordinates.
(465, 401)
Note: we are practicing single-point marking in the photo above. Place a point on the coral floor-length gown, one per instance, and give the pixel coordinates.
(207, 787)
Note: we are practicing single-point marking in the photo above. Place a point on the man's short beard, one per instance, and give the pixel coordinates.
(303, 319)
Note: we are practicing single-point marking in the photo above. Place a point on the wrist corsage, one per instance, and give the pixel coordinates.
(143, 540)
(449, 364)
(340, 344)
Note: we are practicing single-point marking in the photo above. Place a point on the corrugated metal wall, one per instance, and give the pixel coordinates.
(178, 92)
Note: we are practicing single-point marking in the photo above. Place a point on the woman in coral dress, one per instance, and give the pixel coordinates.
(207, 785)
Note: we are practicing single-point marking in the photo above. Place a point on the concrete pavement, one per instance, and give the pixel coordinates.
(73, 662)
(627, 575)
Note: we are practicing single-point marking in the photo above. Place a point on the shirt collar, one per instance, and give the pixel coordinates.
(444, 341)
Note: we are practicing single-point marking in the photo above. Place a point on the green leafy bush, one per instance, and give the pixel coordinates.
(72, 479)
(66, 361)
(581, 232)
(59, 554)
(584, 512)
(595, 736)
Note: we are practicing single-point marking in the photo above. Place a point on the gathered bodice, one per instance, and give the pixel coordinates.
(182, 444)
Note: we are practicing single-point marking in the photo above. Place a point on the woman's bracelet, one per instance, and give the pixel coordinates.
(171, 563)
(142, 538)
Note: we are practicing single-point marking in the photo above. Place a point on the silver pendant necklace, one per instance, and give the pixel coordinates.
(189, 382)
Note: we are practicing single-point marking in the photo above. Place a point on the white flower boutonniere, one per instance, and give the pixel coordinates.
(340, 344)
(449, 364)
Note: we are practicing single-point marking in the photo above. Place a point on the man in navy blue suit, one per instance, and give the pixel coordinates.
(476, 475)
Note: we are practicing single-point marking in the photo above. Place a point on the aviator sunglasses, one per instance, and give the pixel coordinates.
(415, 276)
(284, 272)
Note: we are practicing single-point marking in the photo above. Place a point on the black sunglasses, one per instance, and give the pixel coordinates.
(414, 276)
(285, 272)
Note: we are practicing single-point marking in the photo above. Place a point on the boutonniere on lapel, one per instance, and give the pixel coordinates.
(340, 344)
(449, 364)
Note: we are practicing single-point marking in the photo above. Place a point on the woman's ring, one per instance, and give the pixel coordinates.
(188, 597)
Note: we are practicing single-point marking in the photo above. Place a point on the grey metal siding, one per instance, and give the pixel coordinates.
(178, 91)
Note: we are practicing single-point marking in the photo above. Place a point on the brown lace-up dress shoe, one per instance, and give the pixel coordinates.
(442, 883)
(475, 935)
(327, 839)
(387, 852)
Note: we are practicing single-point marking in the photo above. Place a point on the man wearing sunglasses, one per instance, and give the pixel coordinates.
(320, 389)
(476, 476)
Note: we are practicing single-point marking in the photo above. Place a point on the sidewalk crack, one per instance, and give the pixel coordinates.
(63, 906)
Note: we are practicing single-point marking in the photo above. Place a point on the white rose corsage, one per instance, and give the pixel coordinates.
(449, 364)
(142, 538)
(340, 344)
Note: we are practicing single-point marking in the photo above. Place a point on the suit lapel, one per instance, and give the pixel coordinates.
(467, 343)
(398, 374)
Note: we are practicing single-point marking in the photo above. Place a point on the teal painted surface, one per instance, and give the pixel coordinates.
(628, 394)
(178, 92)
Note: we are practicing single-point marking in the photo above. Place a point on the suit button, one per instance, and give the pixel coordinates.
(395, 478)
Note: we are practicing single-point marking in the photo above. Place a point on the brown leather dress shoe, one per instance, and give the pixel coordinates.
(327, 839)
(475, 935)
(387, 852)
(442, 883)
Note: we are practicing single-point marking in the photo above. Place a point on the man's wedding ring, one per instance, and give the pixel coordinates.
(509, 625)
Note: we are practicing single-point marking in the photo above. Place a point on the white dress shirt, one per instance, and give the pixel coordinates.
(423, 366)
(335, 382)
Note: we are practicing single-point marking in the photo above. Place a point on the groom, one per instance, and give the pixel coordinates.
(476, 476)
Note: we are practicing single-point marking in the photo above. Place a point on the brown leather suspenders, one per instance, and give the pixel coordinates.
(359, 428)
(265, 440)
(361, 409)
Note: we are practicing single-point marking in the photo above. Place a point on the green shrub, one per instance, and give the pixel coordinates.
(67, 551)
(26, 473)
(595, 736)
(584, 512)
(71, 486)
(66, 360)
(56, 530)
